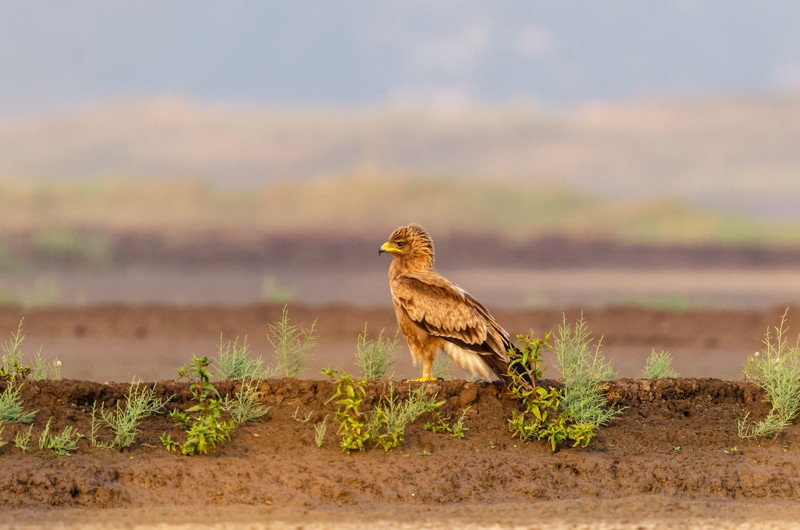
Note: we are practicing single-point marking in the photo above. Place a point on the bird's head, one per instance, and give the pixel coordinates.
(412, 244)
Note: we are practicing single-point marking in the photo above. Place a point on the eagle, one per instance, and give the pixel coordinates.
(434, 314)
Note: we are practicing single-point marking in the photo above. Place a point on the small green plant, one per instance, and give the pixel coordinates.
(23, 438)
(385, 425)
(203, 423)
(585, 371)
(730, 451)
(375, 358)
(777, 371)
(11, 406)
(94, 428)
(42, 369)
(124, 420)
(296, 416)
(62, 443)
(320, 429)
(11, 365)
(392, 415)
(353, 423)
(456, 429)
(659, 365)
(292, 344)
(542, 417)
(245, 405)
(235, 361)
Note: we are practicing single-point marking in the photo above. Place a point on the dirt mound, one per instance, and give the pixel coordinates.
(675, 438)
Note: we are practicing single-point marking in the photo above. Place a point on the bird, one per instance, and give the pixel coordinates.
(434, 314)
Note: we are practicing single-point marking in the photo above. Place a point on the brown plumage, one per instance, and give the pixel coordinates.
(435, 314)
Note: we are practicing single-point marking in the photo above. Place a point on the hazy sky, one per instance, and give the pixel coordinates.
(56, 54)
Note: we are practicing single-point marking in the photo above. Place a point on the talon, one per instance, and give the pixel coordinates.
(423, 379)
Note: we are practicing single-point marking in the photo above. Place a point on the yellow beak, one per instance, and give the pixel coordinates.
(386, 247)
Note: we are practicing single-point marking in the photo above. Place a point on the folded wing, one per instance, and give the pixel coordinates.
(444, 310)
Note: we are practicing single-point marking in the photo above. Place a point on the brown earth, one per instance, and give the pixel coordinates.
(272, 475)
(674, 448)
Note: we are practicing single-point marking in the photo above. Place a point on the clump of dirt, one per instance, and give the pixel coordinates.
(676, 437)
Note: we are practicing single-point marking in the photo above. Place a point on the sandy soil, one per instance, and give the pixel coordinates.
(272, 475)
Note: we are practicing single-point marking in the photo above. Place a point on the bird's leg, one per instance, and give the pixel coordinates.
(427, 364)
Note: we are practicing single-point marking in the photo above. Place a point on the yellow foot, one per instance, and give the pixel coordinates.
(423, 379)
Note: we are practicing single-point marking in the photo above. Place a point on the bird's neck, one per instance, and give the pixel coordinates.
(404, 265)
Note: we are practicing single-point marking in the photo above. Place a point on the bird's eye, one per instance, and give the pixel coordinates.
(400, 244)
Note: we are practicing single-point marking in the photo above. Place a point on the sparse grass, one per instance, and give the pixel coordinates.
(11, 365)
(246, 403)
(777, 371)
(297, 416)
(376, 358)
(94, 428)
(2, 442)
(124, 420)
(392, 415)
(11, 406)
(22, 439)
(320, 429)
(235, 361)
(457, 429)
(44, 369)
(292, 344)
(659, 366)
(585, 371)
(62, 443)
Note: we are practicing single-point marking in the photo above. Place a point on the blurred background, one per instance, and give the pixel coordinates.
(560, 153)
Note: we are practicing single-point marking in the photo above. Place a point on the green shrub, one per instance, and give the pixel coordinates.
(235, 361)
(543, 416)
(292, 344)
(11, 365)
(777, 371)
(23, 438)
(245, 405)
(585, 371)
(385, 425)
(375, 358)
(124, 420)
(62, 443)
(392, 415)
(11, 406)
(659, 366)
(204, 425)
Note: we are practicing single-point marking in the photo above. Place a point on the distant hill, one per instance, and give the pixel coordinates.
(737, 153)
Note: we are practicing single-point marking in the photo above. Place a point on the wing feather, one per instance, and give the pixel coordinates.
(445, 310)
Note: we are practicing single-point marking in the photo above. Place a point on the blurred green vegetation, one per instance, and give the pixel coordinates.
(85, 213)
(90, 249)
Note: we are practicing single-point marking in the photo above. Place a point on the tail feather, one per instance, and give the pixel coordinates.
(501, 365)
